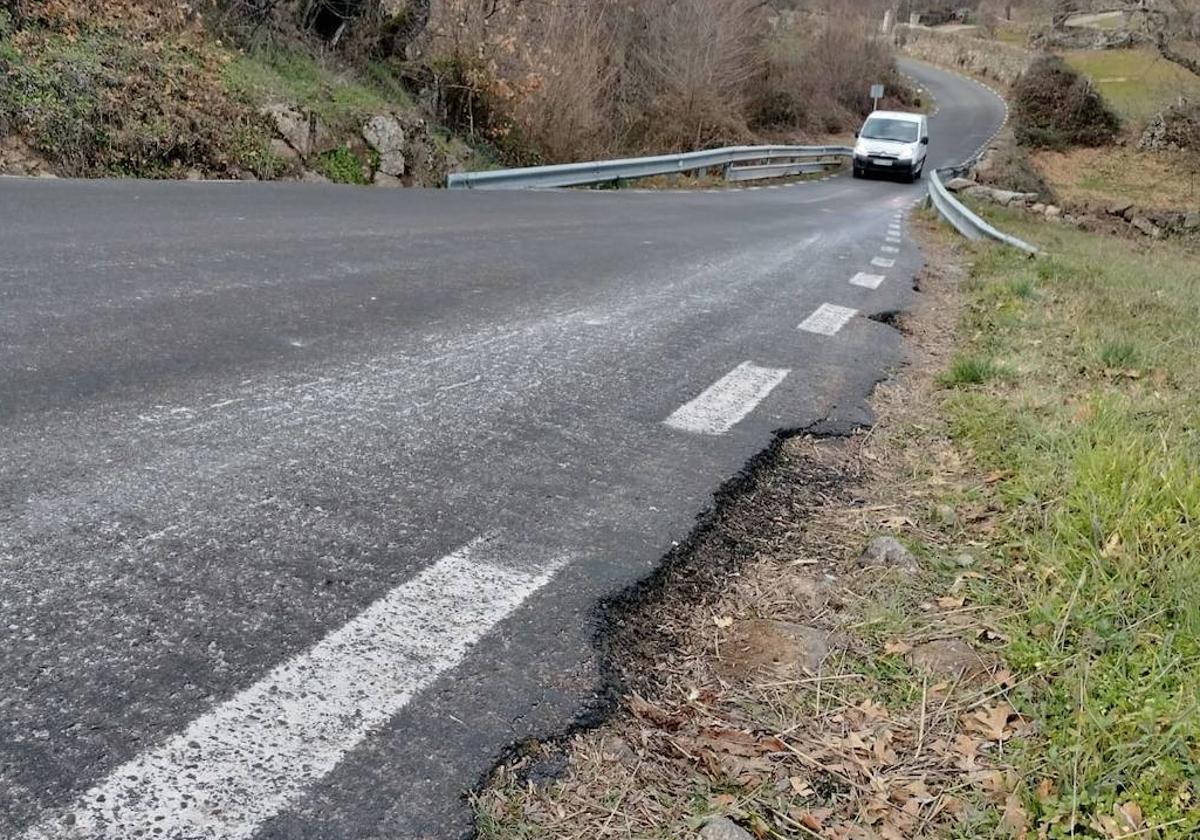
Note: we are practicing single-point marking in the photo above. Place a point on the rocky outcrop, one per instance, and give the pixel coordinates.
(386, 136)
(17, 158)
(1118, 217)
(396, 149)
(978, 56)
(1087, 38)
(1172, 130)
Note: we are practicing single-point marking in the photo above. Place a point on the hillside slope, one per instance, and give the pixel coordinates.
(400, 93)
(147, 90)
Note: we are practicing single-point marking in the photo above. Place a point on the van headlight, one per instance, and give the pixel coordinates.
(906, 153)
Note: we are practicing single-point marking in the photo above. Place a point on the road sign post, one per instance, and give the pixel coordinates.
(876, 94)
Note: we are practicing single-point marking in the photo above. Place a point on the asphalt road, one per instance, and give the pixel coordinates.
(308, 494)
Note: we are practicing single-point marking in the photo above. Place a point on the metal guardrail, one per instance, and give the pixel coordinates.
(965, 221)
(602, 171)
(735, 174)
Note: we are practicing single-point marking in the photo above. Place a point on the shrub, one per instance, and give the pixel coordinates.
(814, 77)
(1056, 108)
(341, 166)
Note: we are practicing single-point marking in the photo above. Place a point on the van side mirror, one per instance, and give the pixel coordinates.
(924, 141)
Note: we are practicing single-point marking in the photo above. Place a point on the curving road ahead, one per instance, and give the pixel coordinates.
(308, 494)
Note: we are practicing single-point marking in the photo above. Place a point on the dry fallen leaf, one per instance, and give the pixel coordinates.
(992, 723)
(1131, 814)
(1015, 819)
(897, 648)
(810, 821)
(800, 786)
(723, 622)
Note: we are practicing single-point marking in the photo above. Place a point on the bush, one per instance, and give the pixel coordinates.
(814, 78)
(571, 79)
(342, 166)
(1056, 108)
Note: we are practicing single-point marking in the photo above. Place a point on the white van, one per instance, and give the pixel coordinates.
(892, 143)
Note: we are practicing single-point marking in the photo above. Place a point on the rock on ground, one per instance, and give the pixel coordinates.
(385, 135)
(292, 125)
(722, 828)
(887, 551)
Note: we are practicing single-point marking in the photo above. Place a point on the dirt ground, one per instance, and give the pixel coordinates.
(789, 672)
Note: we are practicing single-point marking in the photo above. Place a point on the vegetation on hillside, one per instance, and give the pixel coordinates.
(1056, 108)
(100, 98)
(163, 89)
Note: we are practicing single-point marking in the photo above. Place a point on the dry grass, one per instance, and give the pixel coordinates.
(1161, 181)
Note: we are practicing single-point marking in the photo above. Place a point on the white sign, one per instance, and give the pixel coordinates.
(876, 92)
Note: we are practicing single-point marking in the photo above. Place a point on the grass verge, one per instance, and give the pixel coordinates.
(1097, 444)
(1037, 673)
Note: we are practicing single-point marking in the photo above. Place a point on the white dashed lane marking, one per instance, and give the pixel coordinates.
(894, 240)
(889, 249)
(728, 401)
(881, 262)
(828, 319)
(867, 281)
(249, 758)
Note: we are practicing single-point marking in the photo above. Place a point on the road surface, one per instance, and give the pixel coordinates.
(308, 494)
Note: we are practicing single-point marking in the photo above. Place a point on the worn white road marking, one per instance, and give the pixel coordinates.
(727, 401)
(828, 319)
(889, 249)
(251, 756)
(867, 281)
(894, 240)
(881, 262)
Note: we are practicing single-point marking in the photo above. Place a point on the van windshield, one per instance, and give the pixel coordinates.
(882, 128)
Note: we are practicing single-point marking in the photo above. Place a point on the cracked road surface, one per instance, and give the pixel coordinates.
(308, 494)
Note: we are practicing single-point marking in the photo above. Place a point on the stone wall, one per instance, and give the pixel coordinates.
(976, 56)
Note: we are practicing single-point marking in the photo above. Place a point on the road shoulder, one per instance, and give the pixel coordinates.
(809, 666)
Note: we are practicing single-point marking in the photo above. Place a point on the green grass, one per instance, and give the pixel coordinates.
(1098, 554)
(971, 370)
(294, 76)
(1119, 354)
(1137, 83)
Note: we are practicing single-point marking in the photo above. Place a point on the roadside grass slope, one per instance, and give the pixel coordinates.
(1096, 435)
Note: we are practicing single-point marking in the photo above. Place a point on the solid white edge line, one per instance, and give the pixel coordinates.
(828, 319)
(727, 401)
(253, 755)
